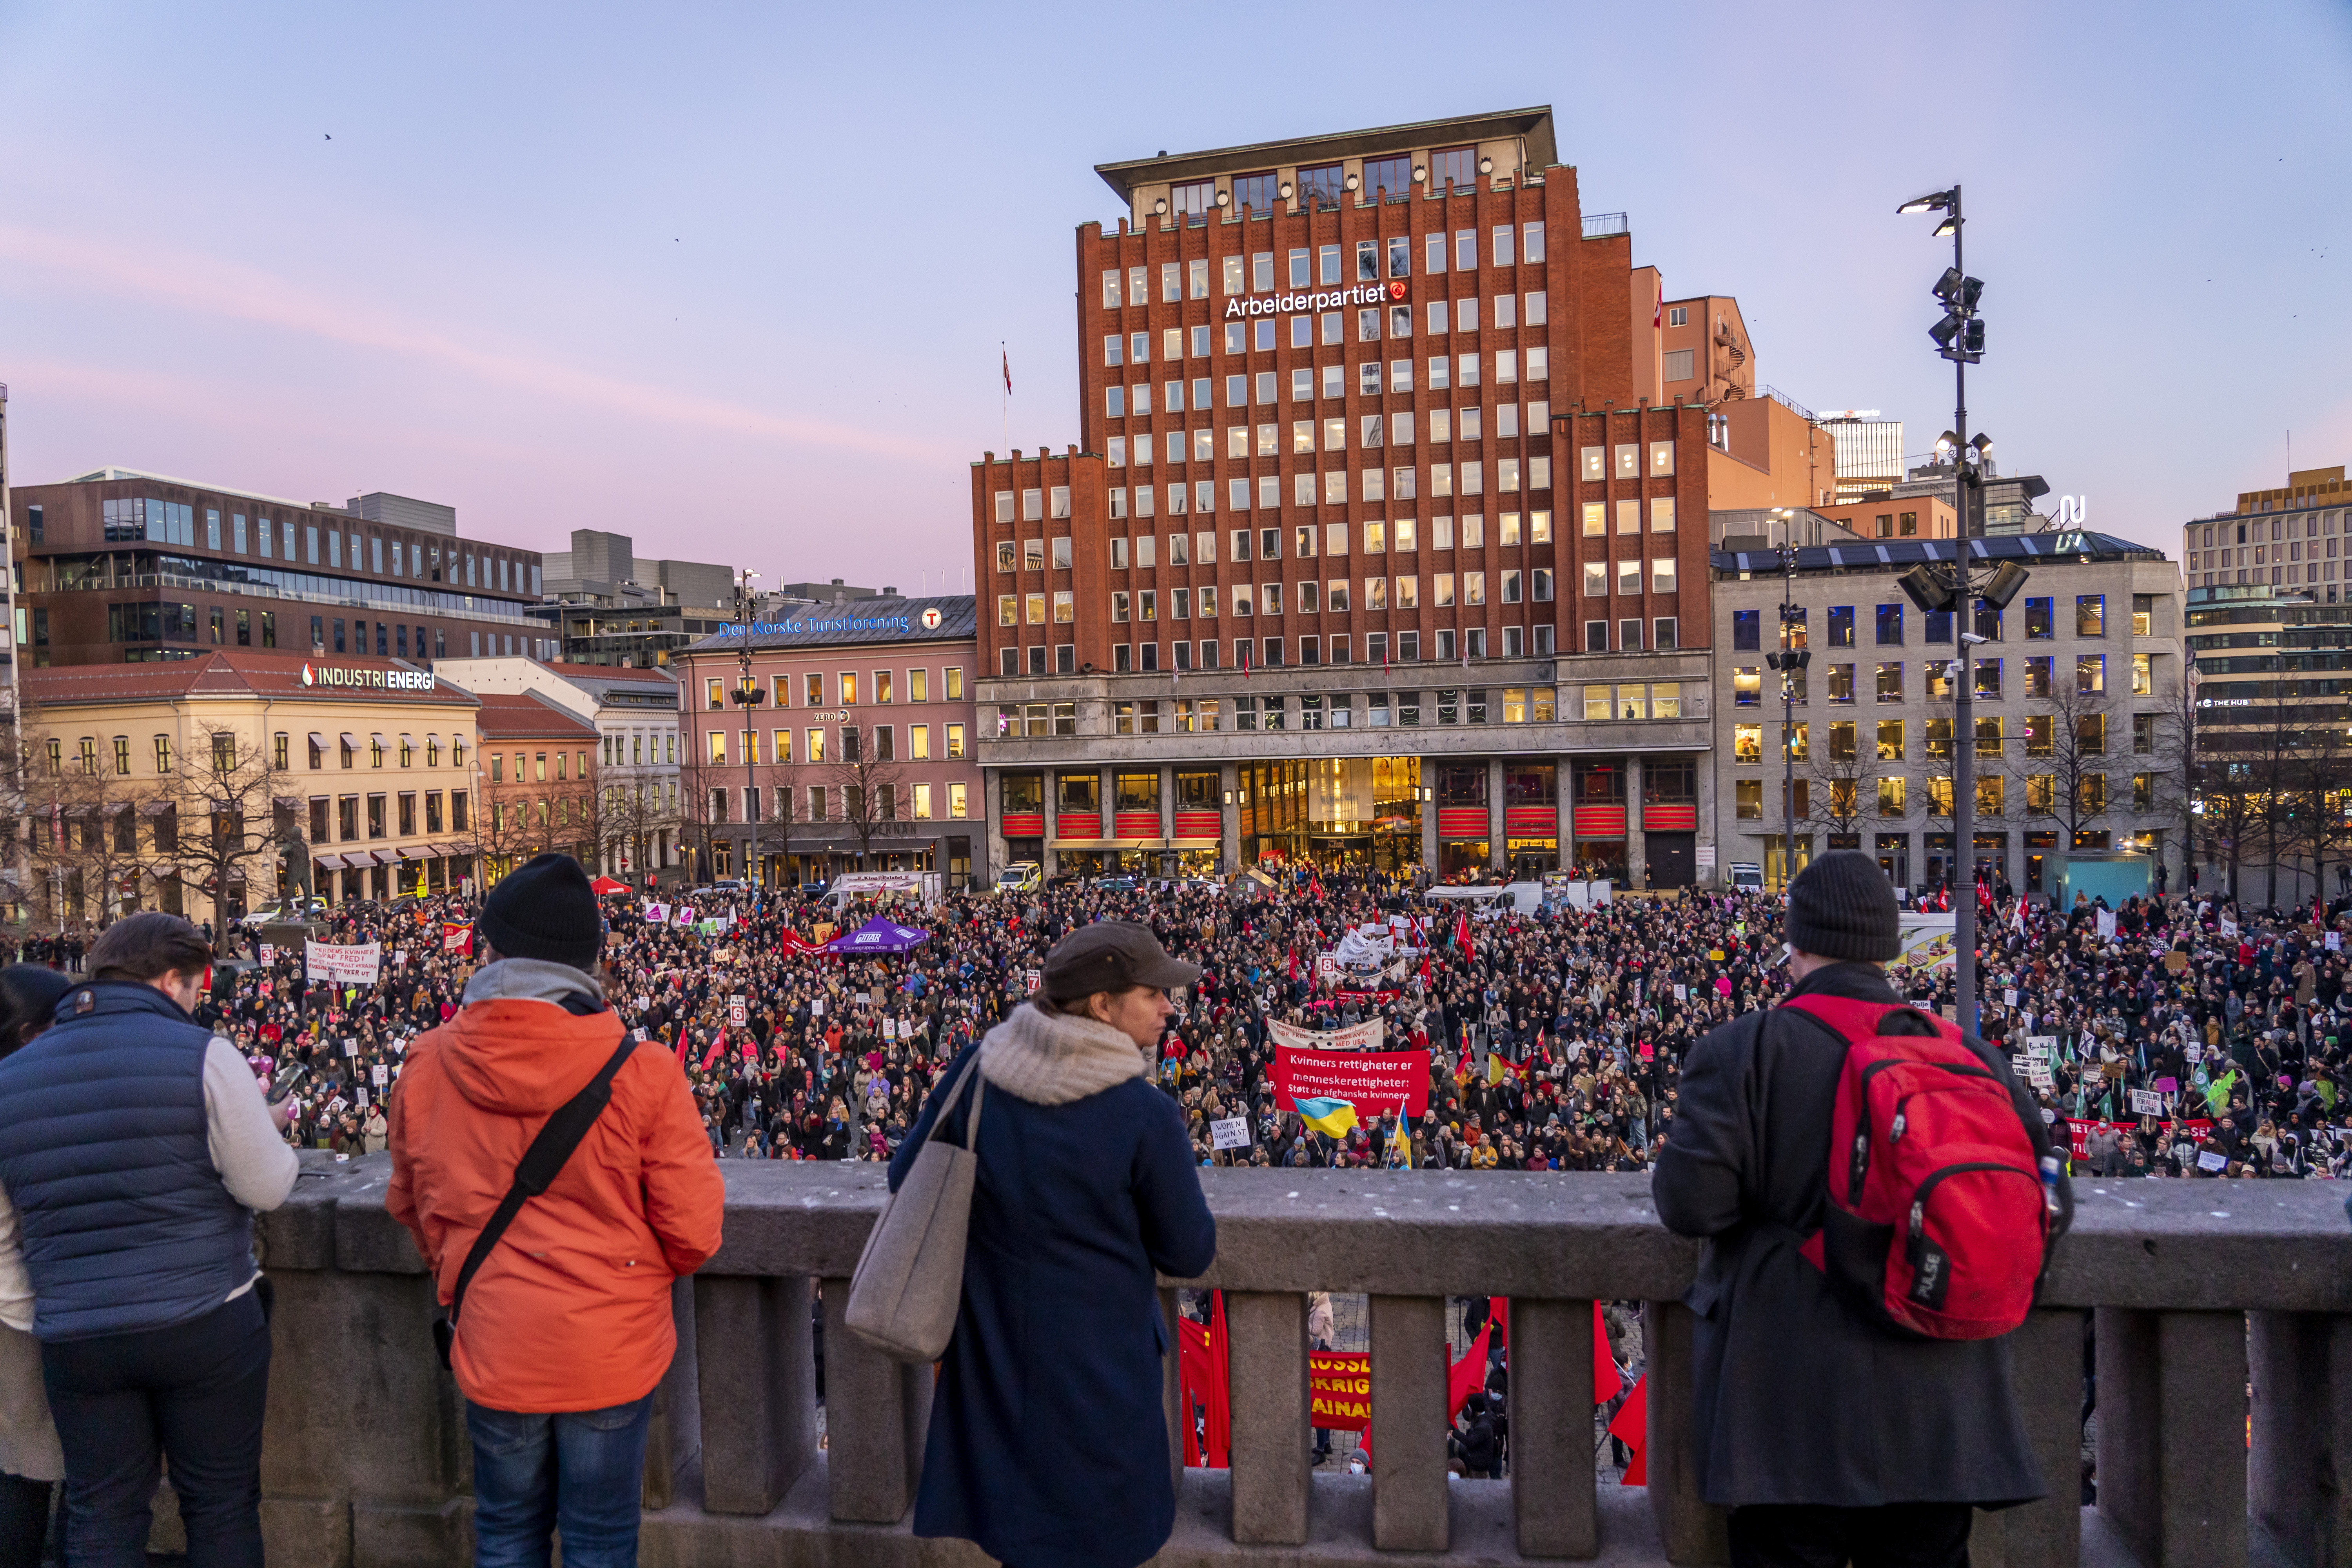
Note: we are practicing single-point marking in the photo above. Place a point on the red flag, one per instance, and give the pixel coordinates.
(1658, 316)
(681, 1051)
(1632, 1428)
(1607, 1381)
(1462, 933)
(1468, 1374)
(1008, 373)
(718, 1044)
(1245, 647)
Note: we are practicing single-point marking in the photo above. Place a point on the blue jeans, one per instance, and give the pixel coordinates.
(582, 1471)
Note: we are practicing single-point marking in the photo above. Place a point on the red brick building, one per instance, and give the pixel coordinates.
(536, 767)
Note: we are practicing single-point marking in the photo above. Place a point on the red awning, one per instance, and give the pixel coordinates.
(604, 886)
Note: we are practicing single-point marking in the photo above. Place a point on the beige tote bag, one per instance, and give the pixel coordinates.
(909, 1281)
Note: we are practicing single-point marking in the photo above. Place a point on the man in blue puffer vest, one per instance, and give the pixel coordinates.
(134, 1145)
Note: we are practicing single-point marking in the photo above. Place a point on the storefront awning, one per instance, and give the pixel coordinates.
(158, 808)
(329, 862)
(415, 852)
(318, 740)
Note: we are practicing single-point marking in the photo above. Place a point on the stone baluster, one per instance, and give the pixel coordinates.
(1267, 1389)
(1409, 1424)
(1552, 1499)
(2172, 1435)
(757, 1370)
(877, 1411)
(1691, 1530)
(2299, 1475)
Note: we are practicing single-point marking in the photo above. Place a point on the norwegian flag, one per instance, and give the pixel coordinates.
(1008, 370)
(1246, 657)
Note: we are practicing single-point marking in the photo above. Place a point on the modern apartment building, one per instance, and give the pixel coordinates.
(119, 565)
(1869, 452)
(2077, 705)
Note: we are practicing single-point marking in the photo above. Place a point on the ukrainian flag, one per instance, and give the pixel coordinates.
(1332, 1118)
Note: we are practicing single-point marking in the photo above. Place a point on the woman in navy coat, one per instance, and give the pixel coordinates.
(1048, 1447)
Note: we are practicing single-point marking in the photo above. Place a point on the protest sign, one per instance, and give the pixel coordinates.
(268, 956)
(1339, 1387)
(2175, 961)
(2147, 1102)
(1230, 1133)
(2043, 1045)
(1371, 1081)
(657, 913)
(2105, 924)
(1035, 977)
(353, 963)
(456, 938)
(379, 1075)
(738, 1012)
(2079, 1132)
(1354, 1037)
(2212, 1160)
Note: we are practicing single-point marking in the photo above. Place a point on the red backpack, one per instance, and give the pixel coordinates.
(1936, 1222)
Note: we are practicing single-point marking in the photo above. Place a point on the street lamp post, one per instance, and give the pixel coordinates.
(748, 696)
(1788, 660)
(1960, 337)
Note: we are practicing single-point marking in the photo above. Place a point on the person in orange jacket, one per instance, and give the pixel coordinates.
(566, 1327)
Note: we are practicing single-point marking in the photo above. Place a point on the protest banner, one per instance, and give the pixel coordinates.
(456, 938)
(1339, 1387)
(1372, 1081)
(1354, 1037)
(657, 913)
(352, 963)
(1230, 1133)
(2079, 1132)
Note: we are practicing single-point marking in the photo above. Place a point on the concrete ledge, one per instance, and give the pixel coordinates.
(797, 1534)
(2173, 1245)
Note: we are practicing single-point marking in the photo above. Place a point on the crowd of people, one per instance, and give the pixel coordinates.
(2181, 1039)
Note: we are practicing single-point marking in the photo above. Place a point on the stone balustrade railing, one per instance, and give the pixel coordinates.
(2198, 1288)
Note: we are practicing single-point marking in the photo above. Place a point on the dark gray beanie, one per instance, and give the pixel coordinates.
(545, 909)
(1842, 906)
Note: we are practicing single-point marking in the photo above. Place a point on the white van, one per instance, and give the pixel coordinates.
(1747, 876)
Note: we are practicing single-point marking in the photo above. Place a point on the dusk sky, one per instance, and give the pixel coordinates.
(733, 281)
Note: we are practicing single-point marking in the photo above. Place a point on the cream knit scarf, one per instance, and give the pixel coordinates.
(1053, 1058)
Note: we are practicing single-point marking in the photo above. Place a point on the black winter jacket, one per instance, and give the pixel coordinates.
(1797, 1399)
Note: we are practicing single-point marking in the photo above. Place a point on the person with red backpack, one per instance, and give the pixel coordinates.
(1878, 1195)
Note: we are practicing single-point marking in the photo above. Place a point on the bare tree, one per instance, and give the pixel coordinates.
(871, 788)
(2065, 750)
(221, 820)
(85, 813)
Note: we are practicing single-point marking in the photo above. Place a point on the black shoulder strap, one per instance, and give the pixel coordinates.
(541, 1162)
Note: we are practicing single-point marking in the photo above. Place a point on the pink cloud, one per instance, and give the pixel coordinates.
(206, 286)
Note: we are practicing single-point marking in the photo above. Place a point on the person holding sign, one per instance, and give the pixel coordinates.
(1085, 1188)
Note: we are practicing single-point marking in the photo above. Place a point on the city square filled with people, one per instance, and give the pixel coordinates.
(2188, 1038)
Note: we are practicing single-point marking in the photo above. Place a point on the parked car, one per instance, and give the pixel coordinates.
(291, 911)
(1121, 883)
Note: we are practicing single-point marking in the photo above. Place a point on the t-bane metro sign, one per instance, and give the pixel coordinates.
(1296, 302)
(367, 679)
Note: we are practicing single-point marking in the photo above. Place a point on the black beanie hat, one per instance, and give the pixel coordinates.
(545, 909)
(1842, 906)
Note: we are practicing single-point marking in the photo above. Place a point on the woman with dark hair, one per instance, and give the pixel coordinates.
(31, 1462)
